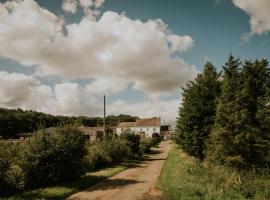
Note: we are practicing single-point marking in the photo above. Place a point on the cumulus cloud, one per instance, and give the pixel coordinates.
(113, 51)
(90, 7)
(70, 6)
(18, 90)
(114, 46)
(259, 12)
(180, 43)
(69, 98)
(149, 108)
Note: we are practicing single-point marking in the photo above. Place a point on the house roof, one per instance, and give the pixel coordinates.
(155, 121)
(126, 124)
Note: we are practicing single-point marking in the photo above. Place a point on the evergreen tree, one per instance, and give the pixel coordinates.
(196, 116)
(238, 138)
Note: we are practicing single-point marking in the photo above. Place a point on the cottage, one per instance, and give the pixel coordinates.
(144, 127)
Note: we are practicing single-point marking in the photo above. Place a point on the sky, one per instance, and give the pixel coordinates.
(62, 56)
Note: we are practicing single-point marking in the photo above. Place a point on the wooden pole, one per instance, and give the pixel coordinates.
(104, 115)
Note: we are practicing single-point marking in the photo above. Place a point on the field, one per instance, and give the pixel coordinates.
(184, 177)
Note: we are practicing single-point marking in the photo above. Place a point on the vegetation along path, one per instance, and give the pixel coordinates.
(132, 184)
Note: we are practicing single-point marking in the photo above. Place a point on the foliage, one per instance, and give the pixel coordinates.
(55, 156)
(145, 145)
(12, 177)
(241, 135)
(196, 116)
(107, 152)
(226, 119)
(133, 141)
(184, 177)
(16, 121)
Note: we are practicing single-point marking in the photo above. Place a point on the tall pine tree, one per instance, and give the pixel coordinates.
(196, 115)
(238, 138)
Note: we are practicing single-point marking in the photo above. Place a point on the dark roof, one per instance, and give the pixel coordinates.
(154, 121)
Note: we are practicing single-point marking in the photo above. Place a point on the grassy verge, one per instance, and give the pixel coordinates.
(62, 191)
(183, 177)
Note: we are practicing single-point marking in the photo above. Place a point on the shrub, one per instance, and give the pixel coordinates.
(55, 156)
(97, 156)
(108, 152)
(146, 145)
(156, 139)
(12, 178)
(133, 141)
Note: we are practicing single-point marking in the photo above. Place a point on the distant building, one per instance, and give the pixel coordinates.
(92, 133)
(166, 132)
(144, 127)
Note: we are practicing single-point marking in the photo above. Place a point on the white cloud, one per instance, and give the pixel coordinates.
(18, 90)
(259, 12)
(115, 46)
(70, 6)
(167, 110)
(114, 51)
(106, 86)
(180, 43)
(90, 7)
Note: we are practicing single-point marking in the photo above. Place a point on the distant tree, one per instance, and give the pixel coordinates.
(196, 115)
(14, 121)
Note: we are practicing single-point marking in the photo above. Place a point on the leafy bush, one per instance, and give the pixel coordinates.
(133, 141)
(156, 139)
(145, 145)
(12, 177)
(105, 153)
(55, 156)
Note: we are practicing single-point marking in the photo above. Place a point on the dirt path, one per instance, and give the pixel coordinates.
(133, 184)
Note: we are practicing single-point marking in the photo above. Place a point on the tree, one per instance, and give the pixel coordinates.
(240, 137)
(196, 116)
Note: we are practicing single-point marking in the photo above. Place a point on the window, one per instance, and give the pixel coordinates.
(147, 129)
(154, 129)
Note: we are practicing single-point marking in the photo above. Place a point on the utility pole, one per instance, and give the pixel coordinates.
(104, 115)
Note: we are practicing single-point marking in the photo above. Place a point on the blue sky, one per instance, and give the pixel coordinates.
(187, 33)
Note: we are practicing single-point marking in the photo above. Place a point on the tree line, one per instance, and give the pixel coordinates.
(14, 121)
(225, 116)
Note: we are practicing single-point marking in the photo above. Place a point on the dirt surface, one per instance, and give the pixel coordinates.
(133, 184)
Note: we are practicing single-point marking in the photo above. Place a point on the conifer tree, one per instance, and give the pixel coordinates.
(196, 116)
(238, 138)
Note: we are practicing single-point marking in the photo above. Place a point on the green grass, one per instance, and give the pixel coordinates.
(184, 177)
(64, 190)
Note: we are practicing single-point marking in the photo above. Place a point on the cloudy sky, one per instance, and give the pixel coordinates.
(61, 56)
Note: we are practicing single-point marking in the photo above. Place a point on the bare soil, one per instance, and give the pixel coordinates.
(137, 183)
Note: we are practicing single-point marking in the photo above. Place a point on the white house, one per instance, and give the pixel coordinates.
(144, 127)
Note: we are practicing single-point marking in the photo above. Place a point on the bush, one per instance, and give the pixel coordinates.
(146, 145)
(55, 156)
(133, 141)
(12, 178)
(156, 139)
(106, 153)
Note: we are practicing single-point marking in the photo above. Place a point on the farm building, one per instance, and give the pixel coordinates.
(144, 127)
